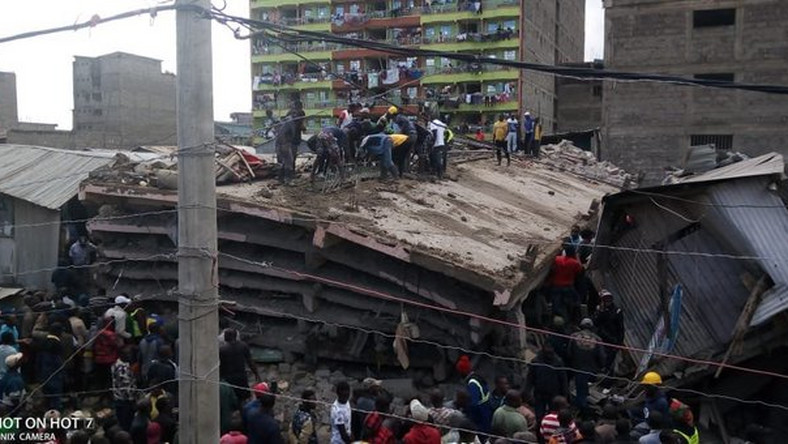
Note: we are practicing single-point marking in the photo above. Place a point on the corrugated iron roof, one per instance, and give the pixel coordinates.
(762, 226)
(740, 217)
(47, 177)
(764, 165)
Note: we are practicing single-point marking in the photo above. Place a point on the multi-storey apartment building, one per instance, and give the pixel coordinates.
(326, 77)
(648, 126)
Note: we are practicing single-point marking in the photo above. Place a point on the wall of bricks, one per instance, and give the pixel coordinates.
(648, 126)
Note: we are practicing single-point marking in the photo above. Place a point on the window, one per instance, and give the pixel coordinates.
(446, 30)
(322, 12)
(429, 33)
(510, 24)
(510, 55)
(97, 112)
(97, 97)
(719, 76)
(340, 68)
(355, 65)
(430, 62)
(355, 9)
(413, 92)
(720, 141)
(339, 12)
(597, 92)
(708, 18)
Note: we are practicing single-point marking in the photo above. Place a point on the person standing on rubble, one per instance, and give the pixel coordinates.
(511, 136)
(288, 138)
(439, 148)
(546, 378)
(500, 131)
(528, 128)
(234, 357)
(609, 321)
(587, 357)
(565, 271)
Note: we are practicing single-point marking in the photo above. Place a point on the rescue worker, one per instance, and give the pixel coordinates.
(380, 146)
(655, 397)
(288, 138)
(609, 321)
(587, 357)
(685, 422)
(330, 145)
(479, 406)
(405, 127)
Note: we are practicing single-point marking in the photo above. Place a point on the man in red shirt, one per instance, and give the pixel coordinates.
(566, 269)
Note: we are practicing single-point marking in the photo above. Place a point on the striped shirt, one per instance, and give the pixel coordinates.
(550, 424)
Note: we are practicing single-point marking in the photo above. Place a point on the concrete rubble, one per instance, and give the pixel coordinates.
(567, 157)
(361, 256)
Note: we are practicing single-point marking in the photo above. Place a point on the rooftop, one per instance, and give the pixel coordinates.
(494, 227)
(47, 177)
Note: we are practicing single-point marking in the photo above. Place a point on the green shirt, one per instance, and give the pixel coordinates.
(507, 421)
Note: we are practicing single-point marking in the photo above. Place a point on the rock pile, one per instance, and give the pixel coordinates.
(567, 157)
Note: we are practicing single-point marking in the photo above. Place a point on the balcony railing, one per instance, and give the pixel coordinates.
(472, 68)
(265, 49)
(476, 37)
(466, 6)
(296, 21)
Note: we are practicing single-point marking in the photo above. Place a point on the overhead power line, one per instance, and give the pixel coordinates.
(580, 73)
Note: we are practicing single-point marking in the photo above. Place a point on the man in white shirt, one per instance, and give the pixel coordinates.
(438, 153)
(511, 136)
(340, 415)
(118, 312)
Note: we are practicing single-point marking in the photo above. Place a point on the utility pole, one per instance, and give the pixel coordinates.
(197, 250)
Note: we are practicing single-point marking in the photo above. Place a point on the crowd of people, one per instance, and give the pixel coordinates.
(392, 141)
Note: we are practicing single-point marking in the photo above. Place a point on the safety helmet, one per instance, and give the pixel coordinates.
(393, 110)
(651, 378)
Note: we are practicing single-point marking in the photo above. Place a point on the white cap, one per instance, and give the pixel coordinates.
(527, 113)
(418, 411)
(122, 299)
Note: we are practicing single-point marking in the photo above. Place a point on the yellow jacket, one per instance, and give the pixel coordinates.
(500, 129)
(398, 139)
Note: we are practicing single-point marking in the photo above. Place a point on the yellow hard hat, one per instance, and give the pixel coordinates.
(651, 378)
(393, 110)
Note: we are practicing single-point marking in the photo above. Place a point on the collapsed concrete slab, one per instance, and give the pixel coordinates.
(360, 257)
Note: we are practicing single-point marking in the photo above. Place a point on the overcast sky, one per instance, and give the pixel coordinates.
(43, 64)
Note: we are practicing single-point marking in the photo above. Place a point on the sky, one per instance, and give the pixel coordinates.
(43, 65)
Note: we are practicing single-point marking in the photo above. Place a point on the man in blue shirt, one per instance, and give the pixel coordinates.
(380, 146)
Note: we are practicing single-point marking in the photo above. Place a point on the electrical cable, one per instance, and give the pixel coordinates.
(561, 71)
(381, 295)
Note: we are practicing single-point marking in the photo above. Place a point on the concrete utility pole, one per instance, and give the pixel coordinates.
(197, 264)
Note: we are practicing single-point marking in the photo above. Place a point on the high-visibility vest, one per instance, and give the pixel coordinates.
(690, 439)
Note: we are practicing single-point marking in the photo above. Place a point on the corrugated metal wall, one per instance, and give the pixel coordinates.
(35, 248)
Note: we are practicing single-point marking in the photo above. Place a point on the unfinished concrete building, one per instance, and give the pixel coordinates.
(579, 106)
(648, 126)
(8, 110)
(320, 271)
(123, 100)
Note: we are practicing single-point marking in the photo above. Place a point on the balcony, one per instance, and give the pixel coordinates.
(257, 4)
(306, 23)
(471, 41)
(469, 73)
(452, 12)
(269, 83)
(481, 103)
(262, 53)
(400, 18)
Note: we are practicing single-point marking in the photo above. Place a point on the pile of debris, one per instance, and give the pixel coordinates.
(567, 157)
(160, 170)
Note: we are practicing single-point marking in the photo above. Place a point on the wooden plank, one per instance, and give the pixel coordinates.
(743, 323)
